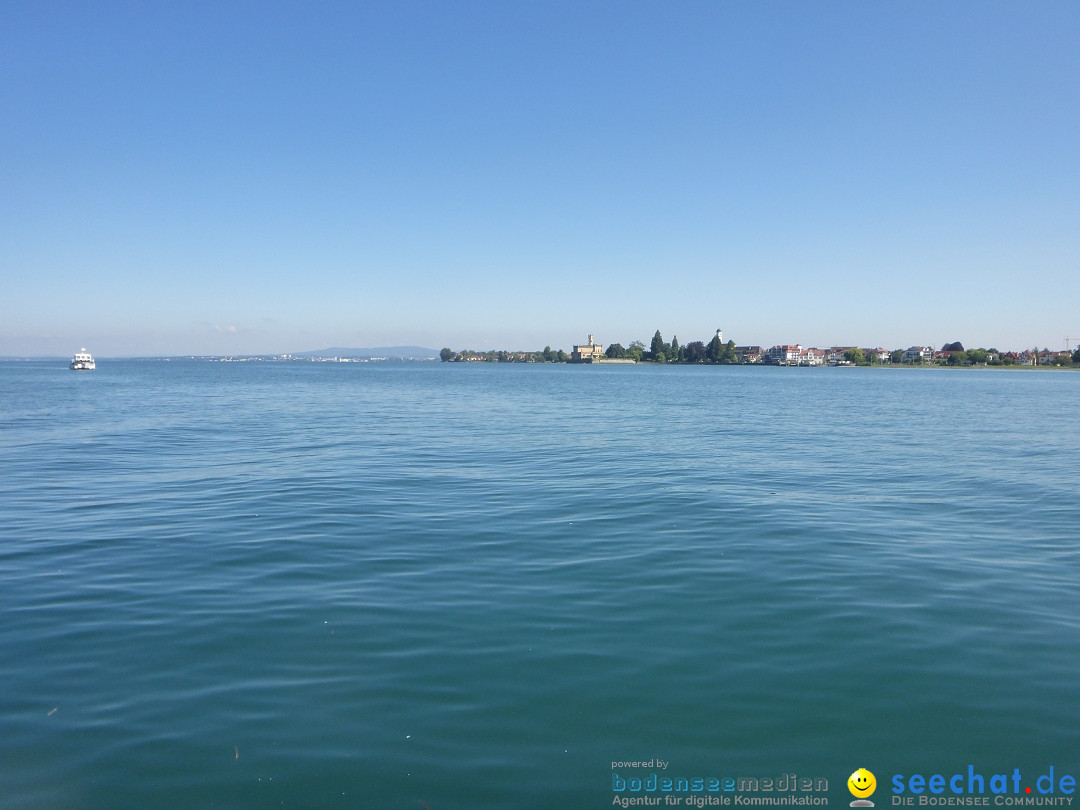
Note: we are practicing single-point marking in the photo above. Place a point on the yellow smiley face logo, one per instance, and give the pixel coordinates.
(861, 783)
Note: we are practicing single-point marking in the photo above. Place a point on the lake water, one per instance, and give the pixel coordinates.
(445, 586)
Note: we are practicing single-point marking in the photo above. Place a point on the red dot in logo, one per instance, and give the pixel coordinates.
(1027, 790)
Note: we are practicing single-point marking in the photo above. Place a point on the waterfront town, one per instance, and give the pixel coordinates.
(717, 351)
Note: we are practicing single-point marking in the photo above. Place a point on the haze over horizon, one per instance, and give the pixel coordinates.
(252, 178)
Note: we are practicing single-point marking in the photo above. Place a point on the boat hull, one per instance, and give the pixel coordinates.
(82, 361)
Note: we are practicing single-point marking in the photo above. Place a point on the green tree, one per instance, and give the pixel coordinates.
(714, 350)
(445, 355)
(657, 346)
(896, 356)
(674, 350)
(855, 356)
(636, 350)
(694, 352)
(615, 351)
(727, 355)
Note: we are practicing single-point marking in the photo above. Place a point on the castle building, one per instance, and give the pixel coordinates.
(585, 353)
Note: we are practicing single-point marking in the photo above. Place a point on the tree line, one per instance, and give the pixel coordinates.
(715, 351)
(718, 352)
(659, 351)
(954, 354)
(548, 355)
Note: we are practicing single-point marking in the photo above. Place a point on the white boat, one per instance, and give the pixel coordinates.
(82, 361)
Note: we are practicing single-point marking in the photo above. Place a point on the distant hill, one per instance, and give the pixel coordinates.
(403, 352)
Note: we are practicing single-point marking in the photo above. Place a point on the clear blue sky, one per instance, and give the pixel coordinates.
(231, 177)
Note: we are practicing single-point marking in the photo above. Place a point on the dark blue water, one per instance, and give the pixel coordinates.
(447, 586)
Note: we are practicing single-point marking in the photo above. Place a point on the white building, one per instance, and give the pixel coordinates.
(916, 354)
(785, 355)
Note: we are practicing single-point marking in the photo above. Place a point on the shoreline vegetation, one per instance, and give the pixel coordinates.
(718, 352)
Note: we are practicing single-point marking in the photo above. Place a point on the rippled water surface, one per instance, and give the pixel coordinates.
(447, 586)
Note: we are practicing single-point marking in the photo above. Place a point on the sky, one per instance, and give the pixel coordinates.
(268, 177)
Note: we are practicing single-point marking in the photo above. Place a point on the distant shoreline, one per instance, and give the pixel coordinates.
(605, 362)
